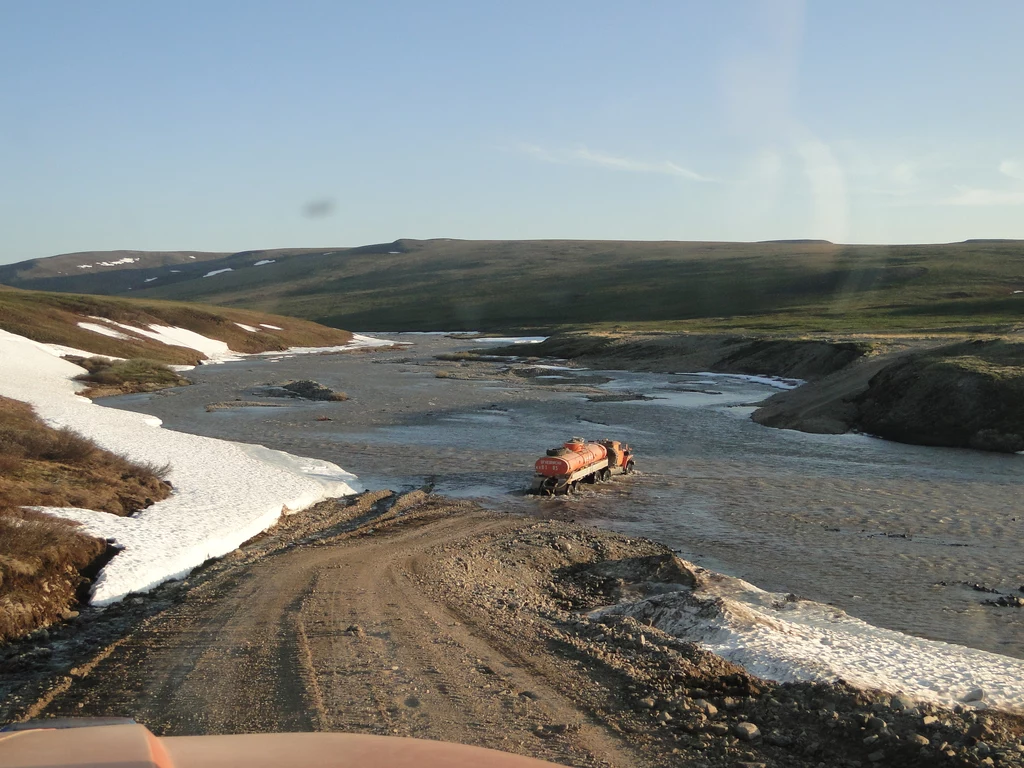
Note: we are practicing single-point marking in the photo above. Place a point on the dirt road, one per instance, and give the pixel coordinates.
(324, 636)
(421, 616)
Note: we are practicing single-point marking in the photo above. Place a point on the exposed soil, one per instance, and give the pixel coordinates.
(427, 617)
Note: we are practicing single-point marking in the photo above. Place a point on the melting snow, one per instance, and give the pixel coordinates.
(248, 328)
(776, 637)
(218, 271)
(150, 279)
(772, 381)
(272, 327)
(261, 262)
(513, 339)
(104, 330)
(125, 260)
(225, 492)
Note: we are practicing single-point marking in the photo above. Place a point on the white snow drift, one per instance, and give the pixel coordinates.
(225, 492)
(780, 638)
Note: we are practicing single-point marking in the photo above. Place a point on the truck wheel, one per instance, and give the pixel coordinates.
(629, 467)
(606, 475)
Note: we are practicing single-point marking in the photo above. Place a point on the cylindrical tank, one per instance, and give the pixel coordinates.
(579, 455)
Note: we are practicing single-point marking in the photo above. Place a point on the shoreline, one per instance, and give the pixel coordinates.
(921, 390)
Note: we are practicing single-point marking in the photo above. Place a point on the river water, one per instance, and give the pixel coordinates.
(893, 534)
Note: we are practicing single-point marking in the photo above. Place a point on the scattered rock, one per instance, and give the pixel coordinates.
(355, 630)
(977, 694)
(746, 731)
(706, 707)
(918, 739)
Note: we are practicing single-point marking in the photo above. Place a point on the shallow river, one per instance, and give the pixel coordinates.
(893, 534)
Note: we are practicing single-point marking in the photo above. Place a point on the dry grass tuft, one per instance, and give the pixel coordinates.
(43, 466)
(45, 563)
(122, 377)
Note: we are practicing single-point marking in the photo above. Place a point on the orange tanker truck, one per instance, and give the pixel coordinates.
(578, 461)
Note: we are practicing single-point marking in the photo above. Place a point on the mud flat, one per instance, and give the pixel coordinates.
(434, 618)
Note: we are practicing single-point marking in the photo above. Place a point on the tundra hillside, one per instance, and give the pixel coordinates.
(97, 325)
(781, 287)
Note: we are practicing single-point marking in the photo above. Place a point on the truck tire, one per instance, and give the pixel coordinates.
(630, 467)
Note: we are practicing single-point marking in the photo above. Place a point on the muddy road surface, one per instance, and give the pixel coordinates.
(344, 634)
(428, 617)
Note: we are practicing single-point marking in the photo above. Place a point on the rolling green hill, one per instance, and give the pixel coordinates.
(785, 287)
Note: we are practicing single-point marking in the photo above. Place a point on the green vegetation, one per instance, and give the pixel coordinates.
(777, 288)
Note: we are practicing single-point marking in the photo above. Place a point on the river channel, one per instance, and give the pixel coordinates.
(893, 534)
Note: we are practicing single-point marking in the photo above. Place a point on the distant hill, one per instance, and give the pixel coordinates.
(119, 327)
(505, 284)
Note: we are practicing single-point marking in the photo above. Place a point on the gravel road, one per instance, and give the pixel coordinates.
(423, 616)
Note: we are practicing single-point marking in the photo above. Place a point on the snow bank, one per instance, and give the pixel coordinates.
(103, 330)
(271, 327)
(225, 492)
(261, 262)
(218, 272)
(513, 339)
(772, 381)
(358, 342)
(248, 328)
(781, 638)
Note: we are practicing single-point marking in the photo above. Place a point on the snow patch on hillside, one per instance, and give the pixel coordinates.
(103, 330)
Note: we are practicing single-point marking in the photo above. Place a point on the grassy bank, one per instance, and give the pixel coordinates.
(107, 377)
(45, 561)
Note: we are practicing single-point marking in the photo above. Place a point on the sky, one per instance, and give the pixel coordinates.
(232, 125)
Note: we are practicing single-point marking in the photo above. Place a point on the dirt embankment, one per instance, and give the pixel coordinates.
(427, 617)
(721, 353)
(966, 395)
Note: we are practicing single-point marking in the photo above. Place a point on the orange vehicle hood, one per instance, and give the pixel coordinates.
(133, 746)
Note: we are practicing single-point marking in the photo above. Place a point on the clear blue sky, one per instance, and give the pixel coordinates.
(232, 125)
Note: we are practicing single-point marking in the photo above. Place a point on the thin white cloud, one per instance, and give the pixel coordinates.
(986, 197)
(582, 155)
(1012, 168)
(827, 182)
